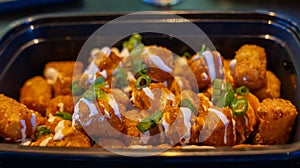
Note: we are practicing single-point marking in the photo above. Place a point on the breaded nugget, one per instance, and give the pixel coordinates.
(17, 122)
(60, 74)
(60, 103)
(36, 94)
(251, 66)
(276, 121)
(271, 89)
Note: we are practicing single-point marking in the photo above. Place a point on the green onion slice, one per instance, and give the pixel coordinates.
(142, 81)
(76, 88)
(64, 115)
(150, 122)
(239, 106)
(187, 103)
(242, 91)
(42, 130)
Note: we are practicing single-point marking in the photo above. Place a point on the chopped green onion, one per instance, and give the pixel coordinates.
(142, 81)
(187, 103)
(149, 122)
(120, 77)
(187, 55)
(203, 48)
(239, 106)
(227, 97)
(64, 115)
(217, 90)
(42, 130)
(133, 41)
(93, 92)
(242, 91)
(76, 88)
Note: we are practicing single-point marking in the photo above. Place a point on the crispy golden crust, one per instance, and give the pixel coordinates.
(250, 67)
(17, 122)
(36, 94)
(271, 89)
(75, 139)
(60, 103)
(276, 120)
(66, 71)
(66, 68)
(200, 70)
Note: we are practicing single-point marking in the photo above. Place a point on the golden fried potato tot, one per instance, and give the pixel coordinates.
(36, 94)
(61, 73)
(276, 120)
(17, 122)
(60, 103)
(271, 89)
(251, 66)
(75, 139)
(199, 68)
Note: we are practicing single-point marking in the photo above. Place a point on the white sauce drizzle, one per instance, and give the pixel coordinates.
(246, 121)
(124, 53)
(179, 81)
(60, 107)
(223, 119)
(51, 75)
(94, 52)
(58, 130)
(145, 137)
(23, 130)
(26, 142)
(52, 118)
(92, 108)
(45, 141)
(187, 114)
(209, 58)
(165, 124)
(112, 102)
(160, 63)
(91, 72)
(232, 64)
(148, 92)
(106, 50)
(196, 57)
(233, 129)
(104, 74)
(33, 122)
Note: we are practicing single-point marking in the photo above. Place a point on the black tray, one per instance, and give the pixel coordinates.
(26, 47)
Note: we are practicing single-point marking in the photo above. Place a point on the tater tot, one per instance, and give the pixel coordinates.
(276, 120)
(271, 89)
(250, 67)
(60, 103)
(36, 94)
(61, 74)
(17, 122)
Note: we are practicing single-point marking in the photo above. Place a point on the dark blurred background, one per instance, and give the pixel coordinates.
(12, 10)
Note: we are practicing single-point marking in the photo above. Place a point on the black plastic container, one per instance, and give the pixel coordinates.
(27, 46)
